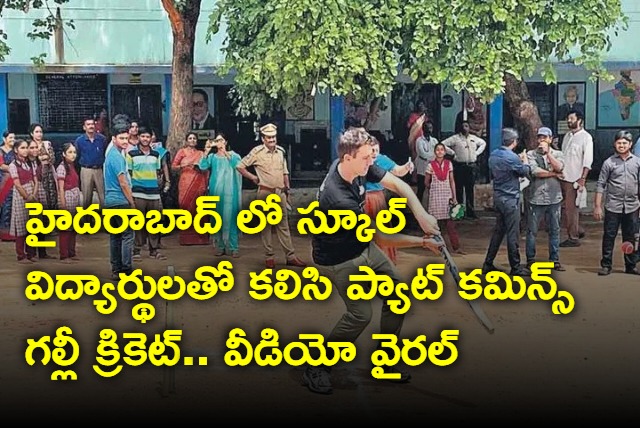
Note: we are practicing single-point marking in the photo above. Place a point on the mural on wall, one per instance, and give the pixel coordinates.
(300, 107)
(571, 96)
(619, 101)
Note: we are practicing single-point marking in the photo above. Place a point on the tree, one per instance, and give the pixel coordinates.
(183, 16)
(278, 48)
(43, 28)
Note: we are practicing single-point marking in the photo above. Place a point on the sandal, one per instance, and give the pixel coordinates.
(158, 256)
(137, 257)
(218, 253)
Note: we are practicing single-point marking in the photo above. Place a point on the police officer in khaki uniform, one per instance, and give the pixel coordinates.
(272, 176)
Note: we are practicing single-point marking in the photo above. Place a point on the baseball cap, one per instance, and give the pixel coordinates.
(545, 131)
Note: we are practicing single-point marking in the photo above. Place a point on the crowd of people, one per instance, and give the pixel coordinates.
(133, 170)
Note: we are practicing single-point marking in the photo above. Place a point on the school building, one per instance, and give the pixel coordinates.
(118, 58)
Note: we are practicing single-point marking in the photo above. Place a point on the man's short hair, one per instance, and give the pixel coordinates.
(143, 129)
(623, 134)
(120, 124)
(579, 114)
(202, 92)
(351, 140)
(509, 135)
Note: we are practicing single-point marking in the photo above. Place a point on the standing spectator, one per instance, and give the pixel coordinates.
(226, 182)
(118, 195)
(441, 186)
(46, 158)
(619, 178)
(577, 149)
(7, 155)
(134, 137)
(25, 189)
(506, 169)
(636, 147)
(90, 148)
(425, 148)
(375, 197)
(467, 148)
(144, 164)
(339, 254)
(272, 176)
(191, 185)
(164, 176)
(101, 119)
(70, 199)
(36, 163)
(545, 196)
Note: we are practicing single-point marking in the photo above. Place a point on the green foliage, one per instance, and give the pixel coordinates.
(278, 48)
(43, 28)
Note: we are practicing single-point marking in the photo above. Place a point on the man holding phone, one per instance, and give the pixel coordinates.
(545, 196)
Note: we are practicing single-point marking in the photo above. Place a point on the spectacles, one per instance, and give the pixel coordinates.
(199, 104)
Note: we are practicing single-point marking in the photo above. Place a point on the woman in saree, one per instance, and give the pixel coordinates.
(191, 185)
(7, 155)
(226, 182)
(46, 156)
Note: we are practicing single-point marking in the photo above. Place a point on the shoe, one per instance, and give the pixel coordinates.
(486, 268)
(557, 266)
(632, 271)
(570, 243)
(460, 252)
(115, 275)
(294, 261)
(66, 260)
(25, 261)
(235, 254)
(318, 380)
(74, 257)
(604, 271)
(219, 252)
(270, 263)
(46, 256)
(158, 256)
(405, 377)
(520, 271)
(137, 258)
(581, 235)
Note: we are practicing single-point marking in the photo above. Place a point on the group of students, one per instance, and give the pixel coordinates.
(29, 174)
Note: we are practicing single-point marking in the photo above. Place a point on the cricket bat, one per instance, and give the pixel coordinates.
(475, 306)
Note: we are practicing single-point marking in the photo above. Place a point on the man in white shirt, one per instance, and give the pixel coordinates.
(577, 150)
(467, 148)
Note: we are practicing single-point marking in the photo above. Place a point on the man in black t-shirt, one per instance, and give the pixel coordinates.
(338, 255)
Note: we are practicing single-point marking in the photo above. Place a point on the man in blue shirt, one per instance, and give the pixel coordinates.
(90, 147)
(118, 195)
(506, 169)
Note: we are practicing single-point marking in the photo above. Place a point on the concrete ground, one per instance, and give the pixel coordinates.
(537, 366)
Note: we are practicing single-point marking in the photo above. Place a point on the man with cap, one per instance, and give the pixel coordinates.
(271, 176)
(545, 196)
(506, 169)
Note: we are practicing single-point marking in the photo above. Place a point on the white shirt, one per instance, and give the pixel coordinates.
(425, 150)
(577, 149)
(467, 148)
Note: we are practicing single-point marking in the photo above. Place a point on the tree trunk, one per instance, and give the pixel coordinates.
(183, 27)
(524, 112)
(372, 116)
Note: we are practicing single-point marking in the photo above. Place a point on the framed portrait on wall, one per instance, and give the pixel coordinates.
(619, 100)
(300, 107)
(571, 96)
(203, 111)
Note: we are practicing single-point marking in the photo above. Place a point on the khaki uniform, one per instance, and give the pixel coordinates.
(271, 167)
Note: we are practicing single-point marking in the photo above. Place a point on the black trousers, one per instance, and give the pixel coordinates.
(628, 222)
(465, 177)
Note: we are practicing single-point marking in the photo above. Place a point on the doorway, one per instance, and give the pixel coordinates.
(140, 102)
